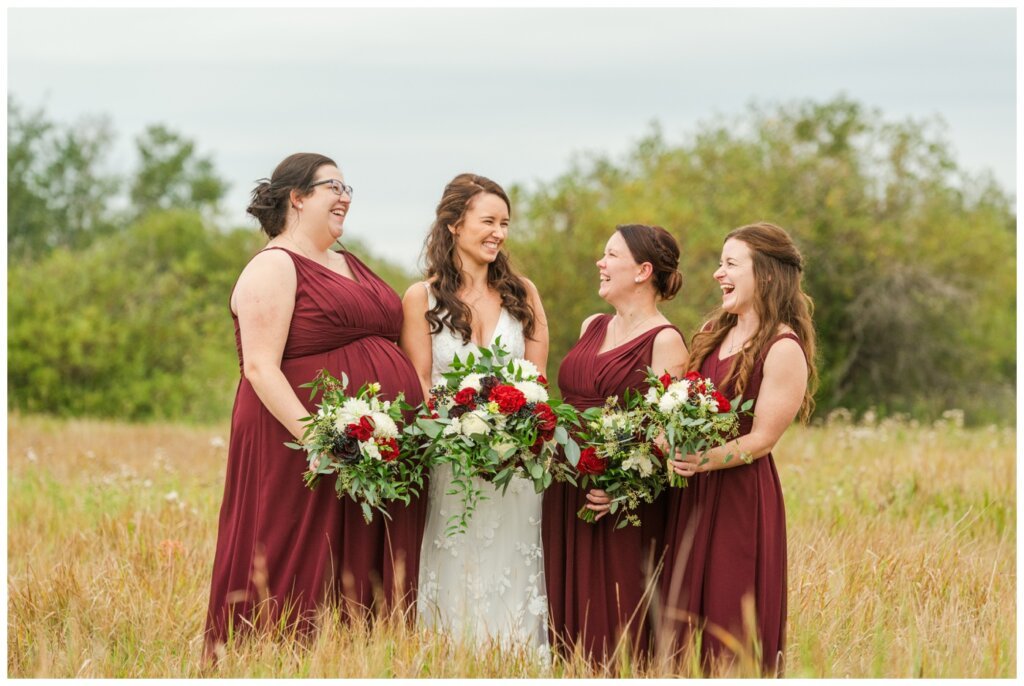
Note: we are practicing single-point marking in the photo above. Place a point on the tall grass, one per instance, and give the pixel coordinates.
(902, 551)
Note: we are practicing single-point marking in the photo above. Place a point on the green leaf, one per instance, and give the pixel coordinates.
(561, 435)
(572, 452)
(431, 427)
(536, 470)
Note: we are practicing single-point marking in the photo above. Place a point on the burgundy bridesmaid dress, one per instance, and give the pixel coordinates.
(726, 539)
(281, 547)
(599, 577)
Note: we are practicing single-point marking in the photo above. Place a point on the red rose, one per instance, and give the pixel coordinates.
(509, 398)
(542, 380)
(467, 397)
(388, 449)
(590, 463)
(361, 431)
(665, 379)
(723, 404)
(697, 382)
(546, 420)
(538, 445)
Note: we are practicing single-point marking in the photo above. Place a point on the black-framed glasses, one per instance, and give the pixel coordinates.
(337, 186)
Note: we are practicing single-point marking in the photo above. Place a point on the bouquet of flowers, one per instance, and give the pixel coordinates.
(617, 458)
(360, 439)
(690, 414)
(492, 419)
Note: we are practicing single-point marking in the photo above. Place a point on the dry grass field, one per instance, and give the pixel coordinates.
(902, 560)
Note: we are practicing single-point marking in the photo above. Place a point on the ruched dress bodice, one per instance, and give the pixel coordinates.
(277, 540)
(598, 576)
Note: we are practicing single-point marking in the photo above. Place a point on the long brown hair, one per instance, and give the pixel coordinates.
(778, 269)
(443, 268)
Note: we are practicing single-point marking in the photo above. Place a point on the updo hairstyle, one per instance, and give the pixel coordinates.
(270, 198)
(655, 245)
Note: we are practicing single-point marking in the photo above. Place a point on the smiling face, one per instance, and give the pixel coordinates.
(735, 275)
(617, 270)
(483, 229)
(323, 204)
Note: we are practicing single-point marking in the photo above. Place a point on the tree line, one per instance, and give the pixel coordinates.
(118, 284)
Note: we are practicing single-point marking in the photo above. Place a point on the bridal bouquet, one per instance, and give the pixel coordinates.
(492, 420)
(617, 458)
(360, 439)
(690, 414)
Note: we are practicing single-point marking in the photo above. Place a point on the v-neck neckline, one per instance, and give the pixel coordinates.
(346, 254)
(497, 325)
(624, 343)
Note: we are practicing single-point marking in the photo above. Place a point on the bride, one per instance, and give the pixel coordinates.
(488, 582)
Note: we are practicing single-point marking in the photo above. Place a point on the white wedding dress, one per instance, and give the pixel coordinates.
(488, 582)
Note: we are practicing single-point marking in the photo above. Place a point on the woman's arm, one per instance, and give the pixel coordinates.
(669, 353)
(415, 339)
(782, 392)
(537, 345)
(264, 300)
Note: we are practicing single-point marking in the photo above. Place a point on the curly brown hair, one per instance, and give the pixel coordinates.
(778, 269)
(443, 268)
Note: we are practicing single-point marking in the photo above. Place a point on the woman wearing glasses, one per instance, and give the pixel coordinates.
(300, 306)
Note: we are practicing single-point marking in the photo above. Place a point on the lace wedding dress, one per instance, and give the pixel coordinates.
(488, 582)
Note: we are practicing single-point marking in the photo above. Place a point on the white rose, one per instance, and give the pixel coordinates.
(534, 392)
(370, 448)
(471, 381)
(454, 428)
(670, 402)
(351, 410)
(680, 388)
(474, 424)
(384, 426)
(640, 463)
(529, 369)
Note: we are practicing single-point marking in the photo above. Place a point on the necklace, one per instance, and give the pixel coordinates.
(734, 346)
(618, 338)
(301, 249)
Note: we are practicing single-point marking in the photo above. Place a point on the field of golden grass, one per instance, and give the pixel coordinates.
(902, 560)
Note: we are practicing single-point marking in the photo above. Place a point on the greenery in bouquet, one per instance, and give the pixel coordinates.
(690, 416)
(617, 457)
(361, 440)
(492, 420)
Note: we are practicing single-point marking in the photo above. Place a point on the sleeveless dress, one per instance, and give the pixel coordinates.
(726, 538)
(281, 547)
(599, 577)
(486, 583)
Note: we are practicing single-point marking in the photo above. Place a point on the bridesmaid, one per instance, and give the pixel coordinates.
(727, 530)
(599, 578)
(298, 307)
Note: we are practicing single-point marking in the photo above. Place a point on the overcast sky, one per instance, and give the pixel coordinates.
(405, 99)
